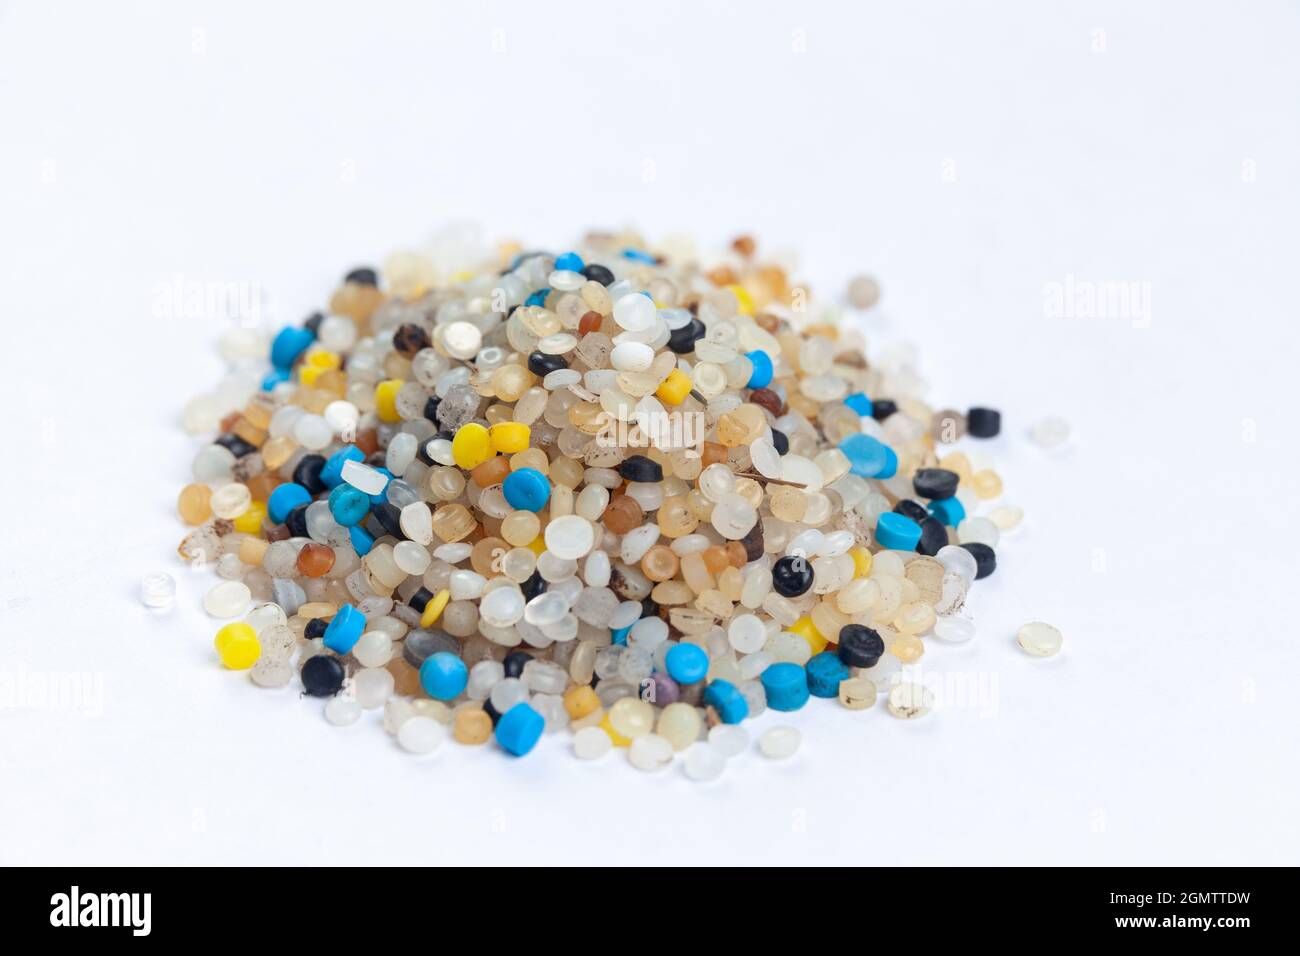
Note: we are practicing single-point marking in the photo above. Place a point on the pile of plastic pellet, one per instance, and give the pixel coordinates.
(635, 498)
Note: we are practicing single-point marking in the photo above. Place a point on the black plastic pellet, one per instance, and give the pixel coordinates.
(640, 468)
(420, 599)
(539, 363)
(682, 341)
(753, 542)
(235, 445)
(935, 482)
(792, 576)
(933, 537)
(307, 473)
(431, 408)
(983, 422)
(860, 646)
(911, 509)
(493, 712)
(409, 339)
(322, 675)
(598, 273)
(882, 408)
(515, 661)
(363, 276)
(649, 607)
(296, 522)
(315, 628)
(313, 321)
(780, 442)
(389, 517)
(986, 561)
(534, 586)
(422, 453)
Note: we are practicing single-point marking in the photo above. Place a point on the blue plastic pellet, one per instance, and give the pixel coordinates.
(349, 505)
(570, 261)
(868, 457)
(443, 675)
(284, 499)
(825, 671)
(331, 473)
(859, 403)
(290, 342)
(345, 630)
(762, 374)
(519, 729)
(786, 686)
(729, 702)
(277, 377)
(362, 540)
(636, 255)
(897, 532)
(538, 297)
(619, 636)
(687, 663)
(526, 490)
(948, 510)
(891, 464)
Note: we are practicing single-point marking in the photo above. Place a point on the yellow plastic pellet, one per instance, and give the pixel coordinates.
(471, 445)
(433, 610)
(861, 562)
(308, 374)
(250, 522)
(508, 437)
(614, 735)
(744, 301)
(386, 400)
(317, 363)
(674, 389)
(805, 628)
(238, 646)
(580, 701)
(538, 546)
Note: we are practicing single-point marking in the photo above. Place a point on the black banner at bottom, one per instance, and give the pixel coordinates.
(305, 907)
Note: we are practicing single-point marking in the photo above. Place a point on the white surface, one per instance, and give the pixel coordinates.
(245, 142)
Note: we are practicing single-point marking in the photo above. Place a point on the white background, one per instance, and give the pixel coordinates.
(967, 154)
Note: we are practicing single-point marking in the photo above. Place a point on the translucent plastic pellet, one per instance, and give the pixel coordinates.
(650, 752)
(729, 739)
(342, 711)
(1039, 639)
(228, 599)
(779, 743)
(704, 763)
(910, 700)
(158, 590)
(590, 743)
(1049, 432)
(420, 734)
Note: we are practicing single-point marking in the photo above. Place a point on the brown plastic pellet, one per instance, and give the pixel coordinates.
(472, 726)
(623, 514)
(491, 472)
(315, 560)
(193, 504)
